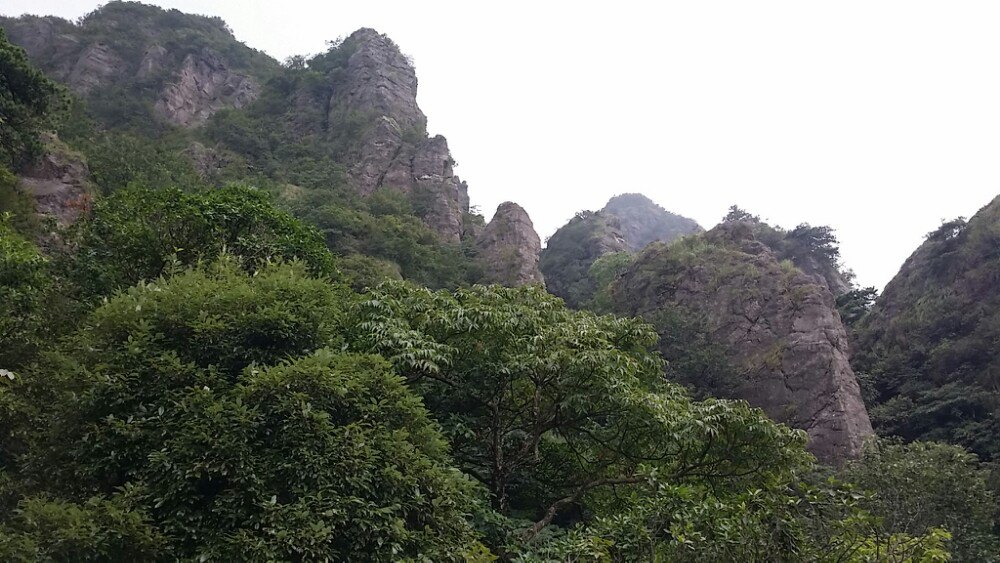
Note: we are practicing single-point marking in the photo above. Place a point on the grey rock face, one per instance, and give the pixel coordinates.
(642, 221)
(378, 81)
(204, 85)
(153, 62)
(379, 86)
(97, 66)
(509, 247)
(59, 184)
(49, 42)
(778, 326)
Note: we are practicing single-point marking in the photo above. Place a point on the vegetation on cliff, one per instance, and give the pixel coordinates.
(210, 363)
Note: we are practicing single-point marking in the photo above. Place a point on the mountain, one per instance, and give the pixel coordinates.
(737, 321)
(628, 222)
(572, 250)
(642, 221)
(346, 119)
(930, 346)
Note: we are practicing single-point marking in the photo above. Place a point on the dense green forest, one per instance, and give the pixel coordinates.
(255, 362)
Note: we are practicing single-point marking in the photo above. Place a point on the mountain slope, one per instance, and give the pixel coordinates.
(931, 343)
(643, 221)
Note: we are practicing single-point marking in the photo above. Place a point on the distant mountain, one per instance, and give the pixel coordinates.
(626, 224)
(642, 221)
(930, 346)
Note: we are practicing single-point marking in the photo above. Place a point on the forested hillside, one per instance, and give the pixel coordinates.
(247, 313)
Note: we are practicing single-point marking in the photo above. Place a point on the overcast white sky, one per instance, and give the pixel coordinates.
(879, 118)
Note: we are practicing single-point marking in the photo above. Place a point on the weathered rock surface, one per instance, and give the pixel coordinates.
(97, 66)
(59, 184)
(378, 81)
(125, 44)
(362, 110)
(379, 86)
(778, 326)
(642, 221)
(204, 85)
(509, 248)
(570, 251)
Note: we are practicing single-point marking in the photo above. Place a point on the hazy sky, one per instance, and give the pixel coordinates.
(879, 118)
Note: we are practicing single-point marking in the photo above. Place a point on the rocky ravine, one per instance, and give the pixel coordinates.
(777, 325)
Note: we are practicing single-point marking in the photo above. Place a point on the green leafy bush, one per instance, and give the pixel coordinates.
(139, 234)
(216, 402)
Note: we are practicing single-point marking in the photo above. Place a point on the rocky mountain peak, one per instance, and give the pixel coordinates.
(778, 339)
(643, 221)
(378, 88)
(509, 247)
(378, 81)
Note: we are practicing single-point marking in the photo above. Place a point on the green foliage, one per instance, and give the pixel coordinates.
(24, 283)
(215, 401)
(784, 523)
(19, 205)
(854, 304)
(95, 530)
(139, 234)
(27, 102)
(560, 413)
(929, 344)
(736, 215)
(604, 272)
(362, 272)
(922, 486)
(383, 228)
(117, 161)
(569, 253)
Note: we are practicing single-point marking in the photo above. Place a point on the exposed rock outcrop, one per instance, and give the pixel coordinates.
(378, 86)
(776, 324)
(570, 251)
(165, 59)
(97, 66)
(59, 184)
(204, 85)
(642, 221)
(509, 248)
(378, 81)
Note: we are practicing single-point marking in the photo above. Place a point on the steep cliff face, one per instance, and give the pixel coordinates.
(143, 68)
(59, 184)
(204, 85)
(377, 88)
(509, 247)
(930, 346)
(120, 50)
(642, 221)
(776, 326)
(571, 251)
